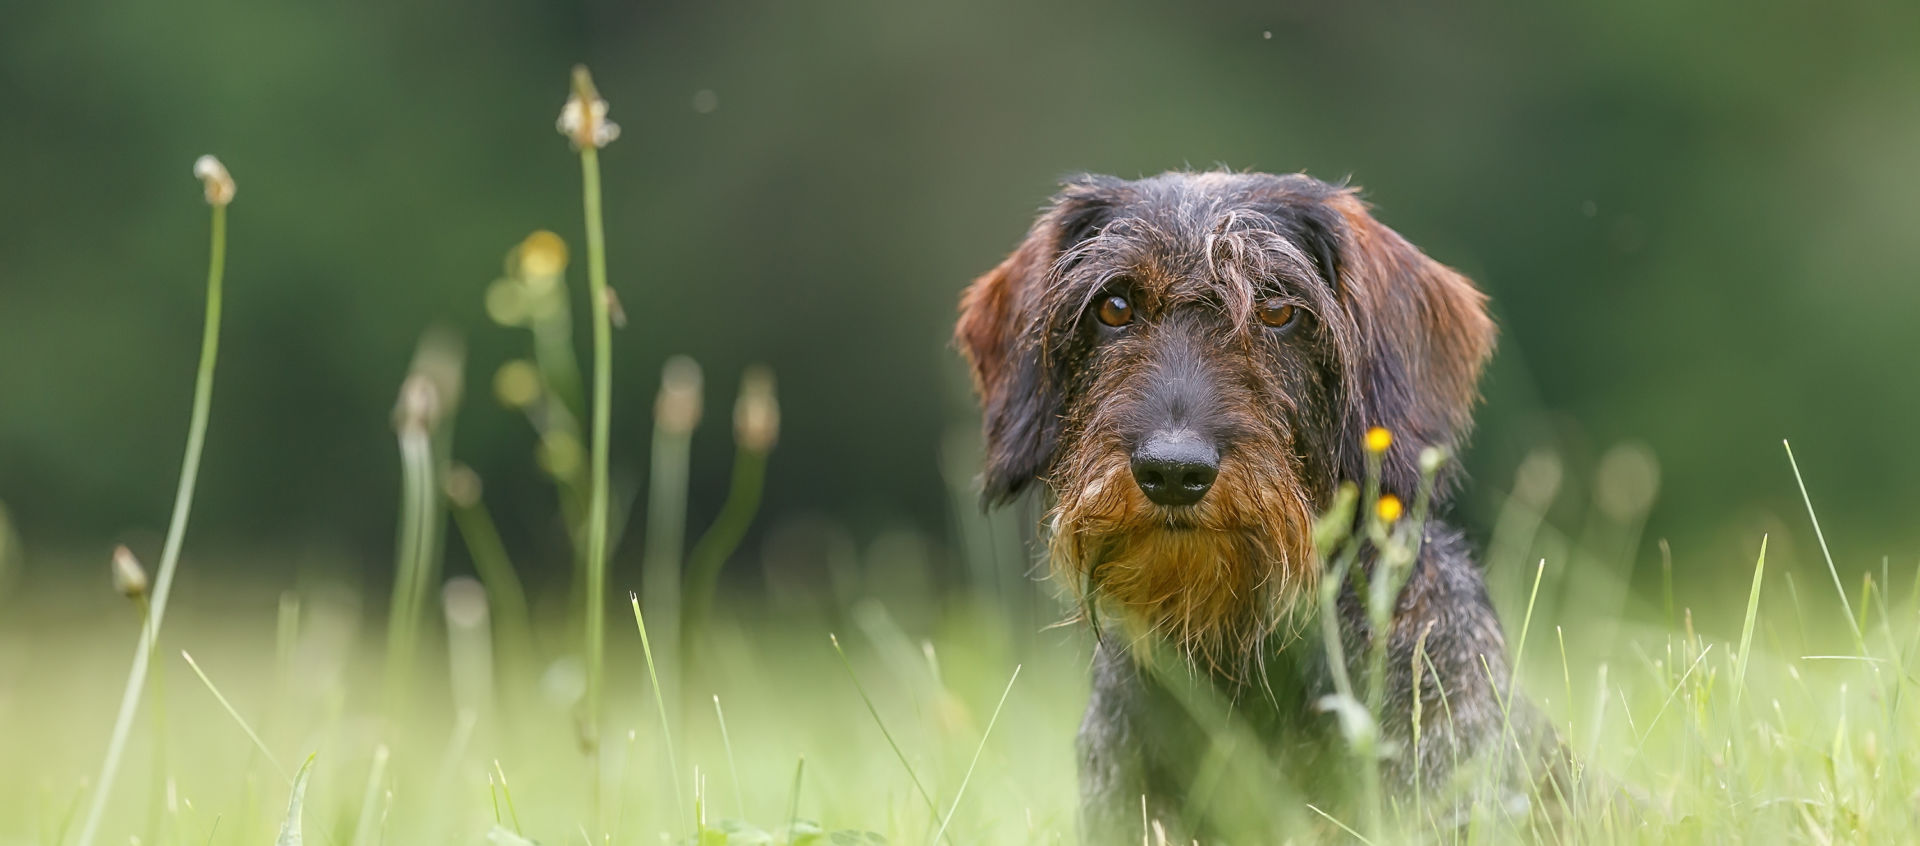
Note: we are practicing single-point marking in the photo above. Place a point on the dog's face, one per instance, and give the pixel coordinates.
(1189, 363)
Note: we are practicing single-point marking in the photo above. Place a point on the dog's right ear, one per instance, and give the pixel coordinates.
(1003, 336)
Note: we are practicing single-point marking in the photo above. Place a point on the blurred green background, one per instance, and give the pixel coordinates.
(1695, 221)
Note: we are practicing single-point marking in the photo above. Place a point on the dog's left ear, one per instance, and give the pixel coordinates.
(1002, 335)
(1424, 337)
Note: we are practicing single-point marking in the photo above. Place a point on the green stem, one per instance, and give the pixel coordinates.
(505, 596)
(710, 553)
(602, 420)
(176, 531)
(412, 576)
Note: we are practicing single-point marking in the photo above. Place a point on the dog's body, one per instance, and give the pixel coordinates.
(1192, 365)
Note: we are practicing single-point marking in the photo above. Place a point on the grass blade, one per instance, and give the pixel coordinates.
(659, 700)
(1859, 639)
(733, 766)
(1746, 628)
(290, 829)
(962, 792)
(931, 806)
(235, 713)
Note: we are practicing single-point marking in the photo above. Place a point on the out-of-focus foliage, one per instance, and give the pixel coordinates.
(1695, 221)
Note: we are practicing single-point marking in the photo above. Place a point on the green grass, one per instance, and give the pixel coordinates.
(1764, 714)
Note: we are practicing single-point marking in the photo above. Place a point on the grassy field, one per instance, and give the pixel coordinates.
(866, 708)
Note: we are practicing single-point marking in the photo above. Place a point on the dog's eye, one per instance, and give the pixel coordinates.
(1115, 311)
(1277, 313)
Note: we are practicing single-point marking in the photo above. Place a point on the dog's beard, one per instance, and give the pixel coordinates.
(1214, 580)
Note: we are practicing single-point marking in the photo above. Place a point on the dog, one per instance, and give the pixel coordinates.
(1191, 366)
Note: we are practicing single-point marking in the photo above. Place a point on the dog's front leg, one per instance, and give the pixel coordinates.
(1119, 793)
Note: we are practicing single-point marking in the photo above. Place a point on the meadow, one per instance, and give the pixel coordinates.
(878, 701)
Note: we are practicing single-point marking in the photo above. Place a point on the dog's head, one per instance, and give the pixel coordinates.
(1190, 363)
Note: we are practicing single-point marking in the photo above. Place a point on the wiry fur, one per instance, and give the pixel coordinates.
(1386, 337)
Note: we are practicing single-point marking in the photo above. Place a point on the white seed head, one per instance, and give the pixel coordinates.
(756, 414)
(584, 118)
(213, 175)
(129, 578)
(677, 408)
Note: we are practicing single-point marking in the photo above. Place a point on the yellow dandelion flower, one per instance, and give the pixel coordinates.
(1378, 439)
(1390, 508)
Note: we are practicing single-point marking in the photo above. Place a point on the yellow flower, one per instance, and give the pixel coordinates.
(1390, 507)
(1378, 439)
(542, 254)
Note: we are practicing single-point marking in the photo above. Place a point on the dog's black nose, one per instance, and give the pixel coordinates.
(1175, 468)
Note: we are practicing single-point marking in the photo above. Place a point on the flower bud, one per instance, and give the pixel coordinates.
(584, 118)
(418, 407)
(677, 408)
(129, 578)
(756, 414)
(462, 486)
(214, 177)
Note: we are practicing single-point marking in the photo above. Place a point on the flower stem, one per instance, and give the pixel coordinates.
(176, 531)
(602, 421)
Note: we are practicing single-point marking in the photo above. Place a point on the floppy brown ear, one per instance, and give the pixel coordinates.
(1003, 338)
(1424, 338)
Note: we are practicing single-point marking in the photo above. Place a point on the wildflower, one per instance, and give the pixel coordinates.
(756, 415)
(129, 578)
(1431, 458)
(214, 176)
(677, 408)
(1378, 439)
(1390, 508)
(584, 119)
